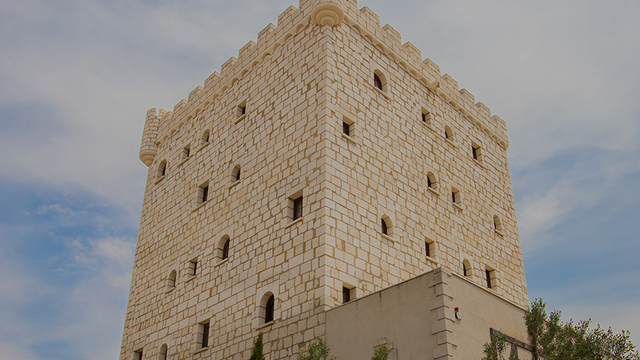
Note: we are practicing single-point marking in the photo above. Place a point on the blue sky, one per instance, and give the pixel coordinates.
(77, 77)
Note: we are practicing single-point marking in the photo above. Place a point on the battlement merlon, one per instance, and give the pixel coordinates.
(333, 13)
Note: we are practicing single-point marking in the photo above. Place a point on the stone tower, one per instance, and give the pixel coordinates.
(326, 163)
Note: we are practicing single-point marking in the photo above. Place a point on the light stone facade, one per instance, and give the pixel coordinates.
(276, 113)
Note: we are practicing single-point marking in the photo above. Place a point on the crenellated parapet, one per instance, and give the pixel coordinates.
(334, 13)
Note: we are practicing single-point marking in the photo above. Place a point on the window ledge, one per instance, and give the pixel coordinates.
(240, 118)
(479, 163)
(233, 184)
(384, 236)
(183, 161)
(457, 206)
(294, 222)
(200, 351)
(434, 191)
(428, 126)
(498, 232)
(199, 206)
(349, 138)
(222, 262)
(170, 290)
(450, 142)
(382, 93)
(431, 260)
(204, 145)
(160, 178)
(191, 277)
(265, 325)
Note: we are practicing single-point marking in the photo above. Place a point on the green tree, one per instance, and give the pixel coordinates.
(554, 340)
(494, 350)
(256, 352)
(316, 350)
(381, 353)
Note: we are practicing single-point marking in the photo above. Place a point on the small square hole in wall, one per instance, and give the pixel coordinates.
(242, 109)
(186, 152)
(348, 127)
(348, 293)
(427, 117)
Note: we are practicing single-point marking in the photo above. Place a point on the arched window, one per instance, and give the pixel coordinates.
(432, 182)
(205, 137)
(497, 224)
(162, 169)
(386, 225)
(162, 355)
(448, 134)
(466, 268)
(225, 249)
(267, 308)
(379, 81)
(222, 250)
(171, 280)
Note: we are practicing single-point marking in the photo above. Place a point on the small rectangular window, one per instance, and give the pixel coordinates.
(490, 276)
(427, 247)
(346, 128)
(455, 196)
(476, 151)
(137, 355)
(346, 294)
(297, 208)
(203, 193)
(242, 109)
(205, 335)
(426, 116)
(186, 152)
(193, 267)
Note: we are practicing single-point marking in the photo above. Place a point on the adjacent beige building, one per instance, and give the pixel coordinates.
(328, 163)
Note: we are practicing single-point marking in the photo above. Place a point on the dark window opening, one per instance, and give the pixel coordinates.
(377, 81)
(138, 355)
(464, 269)
(205, 193)
(205, 335)
(225, 250)
(454, 197)
(384, 229)
(297, 208)
(206, 137)
(346, 128)
(474, 151)
(269, 309)
(187, 152)
(427, 247)
(346, 295)
(194, 268)
(488, 276)
(429, 183)
(242, 109)
(163, 169)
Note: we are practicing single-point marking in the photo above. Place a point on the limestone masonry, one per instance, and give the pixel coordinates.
(326, 163)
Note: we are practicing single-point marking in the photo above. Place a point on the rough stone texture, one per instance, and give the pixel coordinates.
(298, 84)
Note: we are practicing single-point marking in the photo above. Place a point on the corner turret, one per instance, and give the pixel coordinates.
(148, 147)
